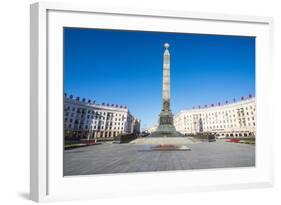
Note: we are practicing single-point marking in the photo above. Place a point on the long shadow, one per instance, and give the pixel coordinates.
(24, 195)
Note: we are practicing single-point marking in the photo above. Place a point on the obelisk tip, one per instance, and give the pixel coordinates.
(166, 45)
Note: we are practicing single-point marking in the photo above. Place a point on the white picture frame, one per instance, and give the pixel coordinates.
(46, 178)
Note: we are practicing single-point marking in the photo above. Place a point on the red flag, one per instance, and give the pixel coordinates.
(250, 96)
(219, 104)
(212, 104)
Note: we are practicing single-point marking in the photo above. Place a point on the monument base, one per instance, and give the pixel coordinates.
(166, 126)
(165, 133)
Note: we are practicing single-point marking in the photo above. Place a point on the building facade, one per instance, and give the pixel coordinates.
(84, 119)
(151, 129)
(237, 119)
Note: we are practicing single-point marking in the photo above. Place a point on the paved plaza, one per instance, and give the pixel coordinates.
(125, 158)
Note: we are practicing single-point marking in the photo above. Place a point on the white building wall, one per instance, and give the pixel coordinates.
(101, 121)
(233, 119)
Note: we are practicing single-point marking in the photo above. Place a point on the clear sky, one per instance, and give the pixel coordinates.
(125, 68)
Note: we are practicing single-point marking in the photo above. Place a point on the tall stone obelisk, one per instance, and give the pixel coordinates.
(166, 85)
(165, 133)
(166, 126)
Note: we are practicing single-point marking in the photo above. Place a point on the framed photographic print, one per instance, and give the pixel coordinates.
(131, 102)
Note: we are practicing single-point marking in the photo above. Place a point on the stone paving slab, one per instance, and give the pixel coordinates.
(126, 158)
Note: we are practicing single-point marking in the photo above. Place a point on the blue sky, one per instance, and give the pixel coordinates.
(125, 68)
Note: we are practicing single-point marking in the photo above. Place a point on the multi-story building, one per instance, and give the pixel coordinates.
(86, 119)
(152, 129)
(237, 119)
